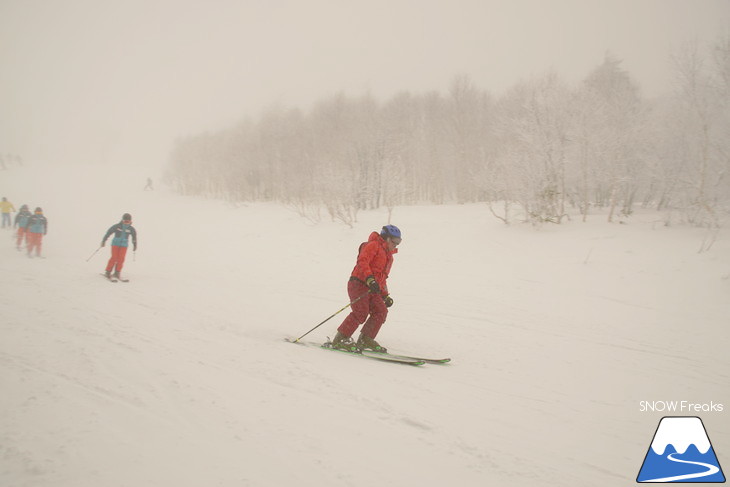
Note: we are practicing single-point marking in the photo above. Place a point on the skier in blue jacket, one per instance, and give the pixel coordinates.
(122, 231)
(36, 228)
(21, 222)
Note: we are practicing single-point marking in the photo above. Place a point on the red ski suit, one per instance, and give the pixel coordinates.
(374, 259)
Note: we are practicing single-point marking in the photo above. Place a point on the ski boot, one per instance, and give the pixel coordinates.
(364, 342)
(341, 342)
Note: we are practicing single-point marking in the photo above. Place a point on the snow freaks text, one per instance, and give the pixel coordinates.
(682, 407)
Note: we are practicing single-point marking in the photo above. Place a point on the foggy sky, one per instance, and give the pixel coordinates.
(117, 81)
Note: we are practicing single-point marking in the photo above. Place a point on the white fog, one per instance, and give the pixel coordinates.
(559, 172)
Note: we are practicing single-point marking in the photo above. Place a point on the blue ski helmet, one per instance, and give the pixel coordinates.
(390, 231)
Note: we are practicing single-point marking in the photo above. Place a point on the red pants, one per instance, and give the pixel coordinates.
(371, 304)
(117, 259)
(21, 236)
(34, 241)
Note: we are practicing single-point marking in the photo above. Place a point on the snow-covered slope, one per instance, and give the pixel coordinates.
(182, 378)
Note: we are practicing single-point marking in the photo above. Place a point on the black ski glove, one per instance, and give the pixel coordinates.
(372, 284)
(388, 301)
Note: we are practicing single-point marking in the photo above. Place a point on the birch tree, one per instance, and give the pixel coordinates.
(616, 137)
(702, 102)
(534, 124)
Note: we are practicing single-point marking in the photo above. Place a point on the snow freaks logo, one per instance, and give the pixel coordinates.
(680, 452)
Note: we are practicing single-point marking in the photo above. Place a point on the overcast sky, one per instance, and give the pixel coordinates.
(118, 80)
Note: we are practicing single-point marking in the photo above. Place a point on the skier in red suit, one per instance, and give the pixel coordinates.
(368, 291)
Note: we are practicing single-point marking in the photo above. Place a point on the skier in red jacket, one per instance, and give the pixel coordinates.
(368, 291)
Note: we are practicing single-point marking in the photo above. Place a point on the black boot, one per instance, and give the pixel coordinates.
(366, 343)
(341, 342)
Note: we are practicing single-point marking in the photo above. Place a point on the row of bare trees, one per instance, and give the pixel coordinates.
(540, 152)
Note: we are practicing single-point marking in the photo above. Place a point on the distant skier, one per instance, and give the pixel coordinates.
(368, 291)
(149, 185)
(36, 228)
(6, 207)
(122, 231)
(21, 222)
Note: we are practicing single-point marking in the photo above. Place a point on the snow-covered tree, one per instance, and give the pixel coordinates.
(533, 136)
(701, 126)
(612, 136)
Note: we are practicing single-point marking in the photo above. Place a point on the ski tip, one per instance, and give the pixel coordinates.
(409, 362)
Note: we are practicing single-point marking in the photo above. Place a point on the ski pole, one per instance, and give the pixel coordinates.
(95, 251)
(336, 313)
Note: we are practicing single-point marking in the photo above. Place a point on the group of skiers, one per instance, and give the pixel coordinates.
(367, 286)
(31, 227)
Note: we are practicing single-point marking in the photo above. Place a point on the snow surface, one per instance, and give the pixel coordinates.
(182, 378)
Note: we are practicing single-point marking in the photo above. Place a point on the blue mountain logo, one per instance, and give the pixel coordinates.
(681, 452)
